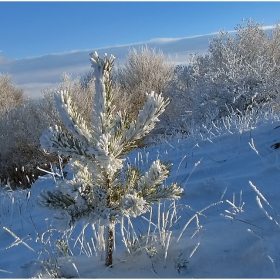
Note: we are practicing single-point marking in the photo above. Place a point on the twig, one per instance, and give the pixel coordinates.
(17, 241)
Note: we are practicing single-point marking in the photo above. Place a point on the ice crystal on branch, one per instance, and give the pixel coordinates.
(98, 190)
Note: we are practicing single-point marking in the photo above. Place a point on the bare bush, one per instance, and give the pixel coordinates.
(145, 70)
(10, 95)
(82, 90)
(20, 154)
(179, 92)
(23, 123)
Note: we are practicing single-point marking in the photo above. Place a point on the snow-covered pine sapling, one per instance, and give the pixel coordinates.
(103, 188)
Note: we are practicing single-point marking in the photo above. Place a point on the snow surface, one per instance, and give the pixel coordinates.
(236, 177)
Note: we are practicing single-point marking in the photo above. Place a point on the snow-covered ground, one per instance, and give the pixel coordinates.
(227, 225)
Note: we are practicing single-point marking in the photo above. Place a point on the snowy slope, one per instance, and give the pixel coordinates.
(236, 237)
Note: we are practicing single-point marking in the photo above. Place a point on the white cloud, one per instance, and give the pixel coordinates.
(36, 73)
(35, 90)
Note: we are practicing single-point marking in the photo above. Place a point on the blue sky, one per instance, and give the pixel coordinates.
(39, 41)
(29, 29)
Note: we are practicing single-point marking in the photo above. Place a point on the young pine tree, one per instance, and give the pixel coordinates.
(103, 188)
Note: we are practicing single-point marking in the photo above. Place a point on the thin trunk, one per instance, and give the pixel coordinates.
(109, 244)
(109, 232)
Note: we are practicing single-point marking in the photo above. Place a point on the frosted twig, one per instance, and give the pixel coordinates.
(93, 246)
(196, 216)
(173, 214)
(166, 247)
(12, 211)
(149, 227)
(250, 230)
(17, 240)
(265, 212)
(223, 194)
(245, 222)
(194, 250)
(198, 226)
(236, 209)
(160, 235)
(76, 270)
(252, 145)
(264, 199)
(149, 221)
(259, 193)
(274, 266)
(41, 238)
(189, 175)
(207, 207)
(169, 144)
(180, 166)
(81, 240)
(186, 225)
(122, 233)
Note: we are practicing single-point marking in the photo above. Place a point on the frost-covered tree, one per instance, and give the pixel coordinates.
(103, 187)
(240, 71)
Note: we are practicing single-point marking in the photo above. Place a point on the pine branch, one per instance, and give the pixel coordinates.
(72, 120)
(154, 177)
(132, 178)
(133, 205)
(103, 99)
(56, 200)
(174, 191)
(148, 116)
(56, 140)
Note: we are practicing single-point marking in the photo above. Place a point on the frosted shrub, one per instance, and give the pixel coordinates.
(22, 121)
(145, 70)
(103, 188)
(20, 153)
(82, 92)
(10, 95)
(238, 71)
(179, 90)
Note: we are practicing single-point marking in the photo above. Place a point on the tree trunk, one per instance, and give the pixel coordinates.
(109, 231)
(109, 244)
